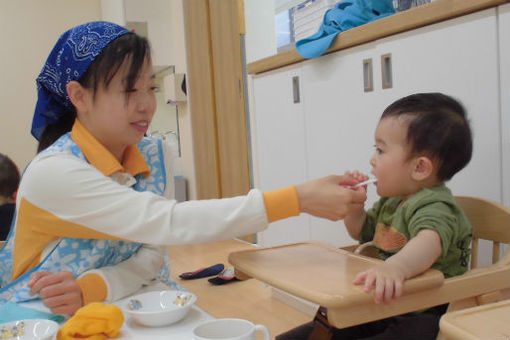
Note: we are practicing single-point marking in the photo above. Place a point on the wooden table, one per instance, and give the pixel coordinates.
(251, 299)
(491, 321)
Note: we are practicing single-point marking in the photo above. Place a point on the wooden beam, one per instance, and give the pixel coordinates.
(202, 105)
(229, 87)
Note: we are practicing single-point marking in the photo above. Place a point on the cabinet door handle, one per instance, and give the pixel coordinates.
(387, 75)
(368, 77)
(295, 89)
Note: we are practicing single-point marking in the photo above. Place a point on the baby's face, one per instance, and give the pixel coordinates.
(390, 162)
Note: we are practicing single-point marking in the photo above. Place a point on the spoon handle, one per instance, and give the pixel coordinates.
(368, 181)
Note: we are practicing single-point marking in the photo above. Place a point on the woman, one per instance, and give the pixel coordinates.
(77, 210)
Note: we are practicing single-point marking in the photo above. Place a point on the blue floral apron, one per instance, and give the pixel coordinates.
(80, 255)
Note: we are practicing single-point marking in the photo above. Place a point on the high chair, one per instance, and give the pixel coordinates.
(323, 274)
(491, 222)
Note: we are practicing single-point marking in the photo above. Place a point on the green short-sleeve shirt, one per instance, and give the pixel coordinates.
(391, 226)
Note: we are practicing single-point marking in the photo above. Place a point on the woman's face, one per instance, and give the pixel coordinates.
(119, 117)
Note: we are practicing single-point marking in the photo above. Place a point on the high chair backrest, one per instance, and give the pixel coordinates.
(490, 221)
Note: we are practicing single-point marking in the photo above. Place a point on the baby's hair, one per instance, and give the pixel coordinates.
(128, 47)
(9, 176)
(437, 127)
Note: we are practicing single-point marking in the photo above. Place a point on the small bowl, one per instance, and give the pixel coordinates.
(31, 329)
(159, 308)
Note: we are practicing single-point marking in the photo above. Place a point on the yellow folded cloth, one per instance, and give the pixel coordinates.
(95, 321)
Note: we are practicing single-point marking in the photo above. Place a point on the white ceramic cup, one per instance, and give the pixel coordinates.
(228, 329)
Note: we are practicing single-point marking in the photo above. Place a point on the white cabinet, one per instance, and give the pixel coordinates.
(340, 123)
(281, 146)
(332, 129)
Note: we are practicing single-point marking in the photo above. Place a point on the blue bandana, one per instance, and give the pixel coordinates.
(70, 58)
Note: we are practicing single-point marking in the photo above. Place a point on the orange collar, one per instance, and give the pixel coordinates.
(102, 159)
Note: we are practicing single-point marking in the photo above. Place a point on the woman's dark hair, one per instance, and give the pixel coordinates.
(9, 176)
(438, 127)
(131, 47)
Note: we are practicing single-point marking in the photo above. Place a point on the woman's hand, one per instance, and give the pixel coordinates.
(60, 292)
(330, 197)
(358, 177)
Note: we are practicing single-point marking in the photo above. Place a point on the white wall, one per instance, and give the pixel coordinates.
(260, 29)
(113, 11)
(30, 29)
(159, 28)
(157, 13)
(178, 46)
(165, 28)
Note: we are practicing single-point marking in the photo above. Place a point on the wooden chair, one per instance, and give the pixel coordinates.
(490, 220)
(480, 285)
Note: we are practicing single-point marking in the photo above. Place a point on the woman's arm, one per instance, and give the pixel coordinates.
(69, 198)
(124, 278)
(62, 293)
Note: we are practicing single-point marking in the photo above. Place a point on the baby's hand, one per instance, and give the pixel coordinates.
(385, 279)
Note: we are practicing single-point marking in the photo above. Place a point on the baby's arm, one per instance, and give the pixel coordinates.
(355, 220)
(354, 223)
(415, 257)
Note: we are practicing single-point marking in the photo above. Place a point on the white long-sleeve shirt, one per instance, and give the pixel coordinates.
(60, 195)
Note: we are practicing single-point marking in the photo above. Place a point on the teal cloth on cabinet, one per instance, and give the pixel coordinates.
(345, 15)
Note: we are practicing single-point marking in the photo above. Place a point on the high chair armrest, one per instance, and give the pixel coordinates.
(473, 283)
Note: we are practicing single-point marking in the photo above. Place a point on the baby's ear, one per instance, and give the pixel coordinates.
(423, 168)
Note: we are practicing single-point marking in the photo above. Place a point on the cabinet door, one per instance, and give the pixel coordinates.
(458, 57)
(278, 141)
(504, 91)
(340, 123)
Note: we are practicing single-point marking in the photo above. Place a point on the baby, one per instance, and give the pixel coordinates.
(421, 141)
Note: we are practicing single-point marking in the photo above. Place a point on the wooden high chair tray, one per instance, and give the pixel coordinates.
(491, 321)
(319, 273)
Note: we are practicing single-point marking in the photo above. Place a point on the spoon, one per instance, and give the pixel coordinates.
(368, 181)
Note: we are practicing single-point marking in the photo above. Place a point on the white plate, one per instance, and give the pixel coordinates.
(33, 329)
